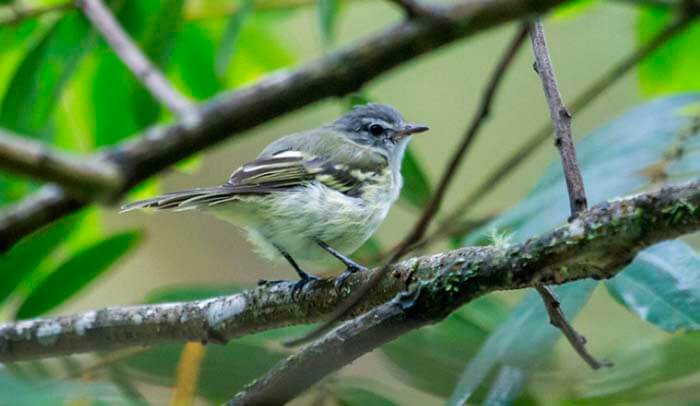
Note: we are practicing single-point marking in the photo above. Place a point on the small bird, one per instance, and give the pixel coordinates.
(313, 193)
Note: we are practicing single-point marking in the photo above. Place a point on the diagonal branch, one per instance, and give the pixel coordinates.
(85, 177)
(466, 277)
(435, 202)
(337, 74)
(133, 58)
(596, 245)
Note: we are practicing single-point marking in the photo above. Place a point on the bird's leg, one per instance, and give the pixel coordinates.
(304, 277)
(351, 266)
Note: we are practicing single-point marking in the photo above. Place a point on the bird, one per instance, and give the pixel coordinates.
(311, 195)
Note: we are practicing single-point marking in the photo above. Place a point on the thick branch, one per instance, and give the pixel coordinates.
(337, 74)
(133, 58)
(86, 177)
(596, 245)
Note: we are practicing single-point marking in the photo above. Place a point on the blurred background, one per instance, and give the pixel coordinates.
(98, 104)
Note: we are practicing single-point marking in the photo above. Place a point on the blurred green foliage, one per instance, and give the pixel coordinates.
(60, 83)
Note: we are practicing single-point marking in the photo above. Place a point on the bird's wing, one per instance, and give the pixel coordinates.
(288, 169)
(282, 171)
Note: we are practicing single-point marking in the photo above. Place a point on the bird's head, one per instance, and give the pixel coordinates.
(379, 126)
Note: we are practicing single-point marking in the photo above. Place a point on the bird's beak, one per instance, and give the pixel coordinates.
(410, 129)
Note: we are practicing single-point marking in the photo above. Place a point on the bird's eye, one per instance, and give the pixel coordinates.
(376, 129)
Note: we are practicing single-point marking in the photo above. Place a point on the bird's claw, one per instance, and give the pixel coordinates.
(340, 280)
(299, 285)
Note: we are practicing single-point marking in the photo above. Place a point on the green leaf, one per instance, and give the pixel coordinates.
(227, 46)
(76, 273)
(327, 14)
(17, 391)
(193, 64)
(25, 257)
(662, 286)
(224, 369)
(674, 66)
(416, 189)
(641, 369)
(523, 341)
(432, 358)
(40, 78)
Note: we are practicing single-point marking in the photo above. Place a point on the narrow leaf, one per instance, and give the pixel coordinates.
(25, 257)
(327, 13)
(662, 286)
(75, 273)
(227, 46)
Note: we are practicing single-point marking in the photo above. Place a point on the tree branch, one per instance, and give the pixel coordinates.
(561, 119)
(85, 177)
(134, 59)
(596, 245)
(435, 202)
(337, 74)
(580, 247)
(580, 102)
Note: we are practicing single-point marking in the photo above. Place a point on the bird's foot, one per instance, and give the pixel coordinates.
(351, 269)
(296, 286)
(299, 285)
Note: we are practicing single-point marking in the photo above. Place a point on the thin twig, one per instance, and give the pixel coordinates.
(85, 177)
(561, 119)
(120, 42)
(556, 316)
(435, 202)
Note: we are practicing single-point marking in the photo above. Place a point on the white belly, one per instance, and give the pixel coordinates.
(295, 220)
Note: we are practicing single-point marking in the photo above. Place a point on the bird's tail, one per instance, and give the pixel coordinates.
(185, 199)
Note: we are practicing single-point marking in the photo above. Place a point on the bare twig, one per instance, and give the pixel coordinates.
(336, 74)
(556, 315)
(134, 59)
(85, 177)
(583, 100)
(561, 118)
(607, 235)
(431, 300)
(435, 202)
